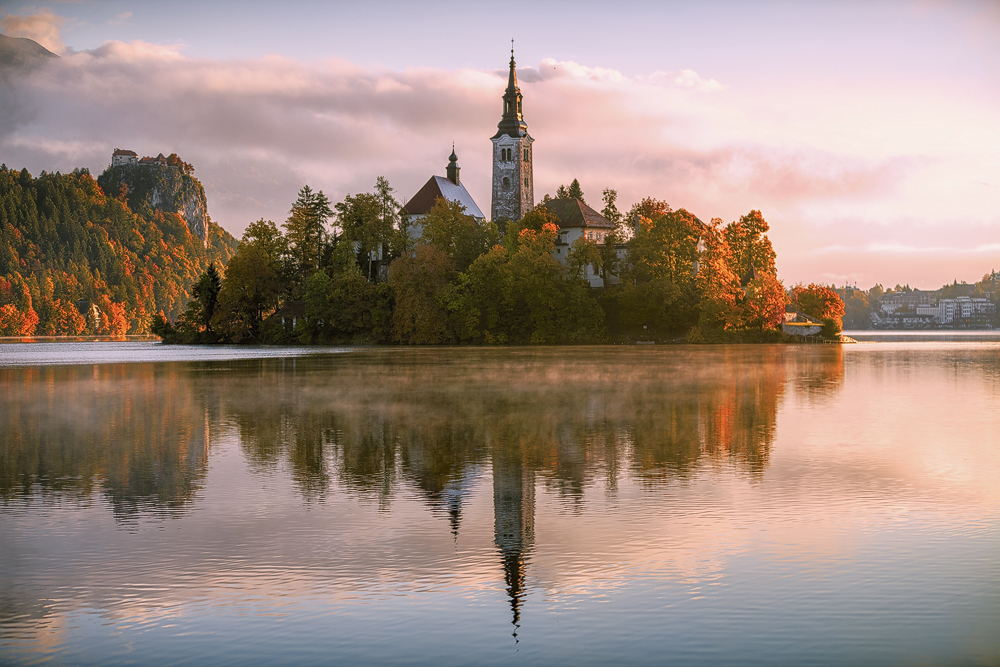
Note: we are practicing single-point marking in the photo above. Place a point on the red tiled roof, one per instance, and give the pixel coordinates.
(574, 213)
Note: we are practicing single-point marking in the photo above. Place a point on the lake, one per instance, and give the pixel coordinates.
(751, 505)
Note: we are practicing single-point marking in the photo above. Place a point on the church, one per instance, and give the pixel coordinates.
(513, 190)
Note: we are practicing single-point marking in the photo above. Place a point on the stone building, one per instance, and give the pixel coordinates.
(577, 220)
(124, 158)
(440, 187)
(513, 183)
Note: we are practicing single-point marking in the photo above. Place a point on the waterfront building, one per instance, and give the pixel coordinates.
(966, 311)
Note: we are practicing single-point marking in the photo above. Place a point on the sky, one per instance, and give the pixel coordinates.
(867, 133)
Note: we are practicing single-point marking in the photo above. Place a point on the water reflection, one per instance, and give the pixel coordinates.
(378, 423)
(137, 434)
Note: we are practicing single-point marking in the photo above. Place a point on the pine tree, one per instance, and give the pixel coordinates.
(305, 229)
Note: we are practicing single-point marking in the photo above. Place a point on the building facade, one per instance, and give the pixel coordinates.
(513, 182)
(124, 158)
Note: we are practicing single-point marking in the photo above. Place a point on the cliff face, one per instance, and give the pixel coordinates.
(149, 188)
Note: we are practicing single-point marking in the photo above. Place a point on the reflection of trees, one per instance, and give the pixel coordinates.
(138, 431)
(819, 370)
(374, 419)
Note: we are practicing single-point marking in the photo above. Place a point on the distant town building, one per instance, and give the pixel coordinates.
(892, 301)
(966, 311)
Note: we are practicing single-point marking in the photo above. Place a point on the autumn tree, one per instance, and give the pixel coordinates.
(750, 249)
(822, 303)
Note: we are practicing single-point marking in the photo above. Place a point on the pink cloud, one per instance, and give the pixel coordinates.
(256, 130)
(43, 27)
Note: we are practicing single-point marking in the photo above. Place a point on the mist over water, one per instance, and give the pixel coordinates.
(712, 505)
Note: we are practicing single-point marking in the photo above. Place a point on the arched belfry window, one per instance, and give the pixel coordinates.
(525, 154)
(506, 183)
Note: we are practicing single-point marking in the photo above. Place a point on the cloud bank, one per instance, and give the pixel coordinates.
(43, 27)
(849, 172)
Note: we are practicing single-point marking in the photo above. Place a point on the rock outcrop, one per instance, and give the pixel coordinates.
(163, 187)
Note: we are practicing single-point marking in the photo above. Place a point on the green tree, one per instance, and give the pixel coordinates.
(368, 221)
(583, 253)
(479, 303)
(420, 288)
(206, 294)
(305, 229)
(610, 210)
(460, 236)
(251, 290)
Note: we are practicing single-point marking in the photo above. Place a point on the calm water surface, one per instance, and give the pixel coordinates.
(763, 505)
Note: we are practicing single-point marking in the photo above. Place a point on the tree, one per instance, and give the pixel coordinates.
(419, 284)
(266, 235)
(749, 247)
(822, 303)
(305, 228)
(367, 221)
(719, 287)
(206, 294)
(573, 191)
(479, 303)
(610, 210)
(537, 218)
(460, 236)
(250, 291)
(583, 253)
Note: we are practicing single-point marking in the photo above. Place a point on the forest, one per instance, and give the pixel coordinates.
(75, 260)
(360, 272)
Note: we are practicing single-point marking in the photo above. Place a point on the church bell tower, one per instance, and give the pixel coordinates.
(513, 183)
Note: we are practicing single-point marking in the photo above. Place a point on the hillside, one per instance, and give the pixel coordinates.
(17, 53)
(74, 260)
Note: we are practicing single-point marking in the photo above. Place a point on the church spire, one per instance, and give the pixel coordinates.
(453, 168)
(513, 185)
(512, 122)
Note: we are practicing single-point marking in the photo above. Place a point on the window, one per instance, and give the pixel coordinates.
(506, 183)
(590, 235)
(525, 154)
(525, 181)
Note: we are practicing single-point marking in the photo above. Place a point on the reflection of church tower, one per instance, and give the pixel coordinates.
(513, 183)
(513, 519)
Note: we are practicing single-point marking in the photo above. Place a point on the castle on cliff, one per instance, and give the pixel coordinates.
(126, 158)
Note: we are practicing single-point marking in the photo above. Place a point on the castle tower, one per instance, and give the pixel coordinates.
(513, 183)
